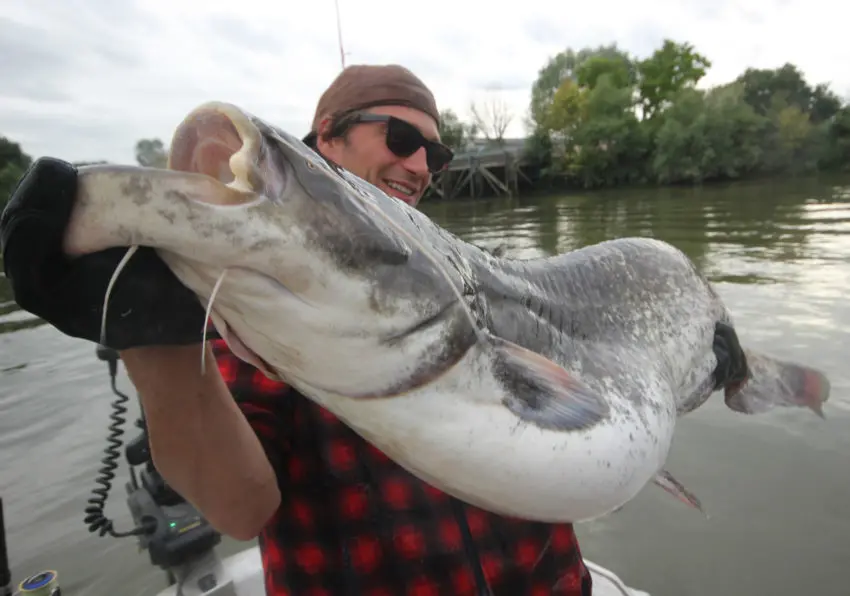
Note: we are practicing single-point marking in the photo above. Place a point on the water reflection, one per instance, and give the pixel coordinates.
(746, 233)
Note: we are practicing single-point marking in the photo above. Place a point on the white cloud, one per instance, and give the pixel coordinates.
(85, 80)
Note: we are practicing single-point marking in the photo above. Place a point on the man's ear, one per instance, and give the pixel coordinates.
(332, 149)
(321, 130)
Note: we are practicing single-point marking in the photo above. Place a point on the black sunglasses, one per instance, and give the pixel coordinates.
(403, 139)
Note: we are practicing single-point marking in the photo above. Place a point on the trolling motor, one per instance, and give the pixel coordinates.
(171, 529)
(177, 537)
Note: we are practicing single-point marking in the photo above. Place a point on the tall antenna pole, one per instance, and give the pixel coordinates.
(339, 35)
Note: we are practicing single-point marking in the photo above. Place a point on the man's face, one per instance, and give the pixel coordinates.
(364, 153)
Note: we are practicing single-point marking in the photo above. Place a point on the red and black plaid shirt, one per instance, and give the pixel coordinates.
(351, 521)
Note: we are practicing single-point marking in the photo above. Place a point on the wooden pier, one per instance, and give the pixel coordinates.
(482, 170)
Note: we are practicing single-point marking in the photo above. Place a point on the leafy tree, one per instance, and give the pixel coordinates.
(619, 68)
(598, 118)
(837, 154)
(707, 136)
(13, 163)
(567, 110)
(734, 133)
(455, 133)
(559, 68)
(671, 68)
(764, 86)
(608, 144)
(151, 153)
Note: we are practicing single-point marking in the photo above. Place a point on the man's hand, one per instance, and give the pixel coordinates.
(148, 304)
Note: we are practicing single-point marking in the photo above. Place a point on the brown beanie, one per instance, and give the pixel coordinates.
(363, 86)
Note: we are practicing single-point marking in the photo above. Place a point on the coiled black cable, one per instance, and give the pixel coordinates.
(95, 518)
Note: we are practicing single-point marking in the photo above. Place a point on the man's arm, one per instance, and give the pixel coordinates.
(200, 441)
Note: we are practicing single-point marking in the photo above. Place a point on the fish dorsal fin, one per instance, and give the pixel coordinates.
(543, 393)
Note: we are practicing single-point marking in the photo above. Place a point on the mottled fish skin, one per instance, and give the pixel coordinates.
(559, 405)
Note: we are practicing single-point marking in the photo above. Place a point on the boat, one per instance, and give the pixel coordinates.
(176, 536)
(241, 574)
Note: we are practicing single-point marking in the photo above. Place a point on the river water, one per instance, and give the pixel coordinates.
(776, 486)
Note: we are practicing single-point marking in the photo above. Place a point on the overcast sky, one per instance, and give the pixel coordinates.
(84, 79)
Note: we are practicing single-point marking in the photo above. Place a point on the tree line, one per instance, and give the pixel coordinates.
(599, 117)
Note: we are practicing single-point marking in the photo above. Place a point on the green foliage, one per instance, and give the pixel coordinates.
(618, 68)
(706, 136)
(13, 163)
(762, 88)
(603, 118)
(151, 153)
(558, 69)
(836, 153)
(671, 68)
(607, 140)
(454, 133)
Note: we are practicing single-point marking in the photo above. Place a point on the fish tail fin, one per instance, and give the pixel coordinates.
(542, 392)
(772, 382)
(665, 480)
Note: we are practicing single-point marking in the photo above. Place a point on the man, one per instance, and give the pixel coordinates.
(333, 514)
(345, 518)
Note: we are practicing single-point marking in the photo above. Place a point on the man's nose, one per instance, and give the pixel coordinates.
(418, 162)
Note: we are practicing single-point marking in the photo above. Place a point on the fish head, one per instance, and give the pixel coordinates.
(322, 282)
(308, 205)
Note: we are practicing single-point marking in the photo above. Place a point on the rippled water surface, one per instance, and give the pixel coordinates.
(777, 486)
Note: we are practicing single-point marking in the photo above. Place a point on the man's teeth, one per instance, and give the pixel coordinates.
(399, 187)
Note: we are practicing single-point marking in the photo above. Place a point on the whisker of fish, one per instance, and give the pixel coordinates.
(121, 265)
(207, 318)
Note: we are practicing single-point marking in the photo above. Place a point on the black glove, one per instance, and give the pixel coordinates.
(148, 304)
(732, 368)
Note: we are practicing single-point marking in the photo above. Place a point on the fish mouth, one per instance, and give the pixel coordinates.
(220, 141)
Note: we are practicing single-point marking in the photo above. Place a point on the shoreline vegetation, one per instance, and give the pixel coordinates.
(601, 118)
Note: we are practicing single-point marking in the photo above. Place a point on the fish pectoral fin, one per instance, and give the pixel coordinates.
(665, 480)
(771, 383)
(543, 393)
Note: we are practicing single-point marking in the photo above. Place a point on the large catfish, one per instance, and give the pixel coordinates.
(546, 389)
